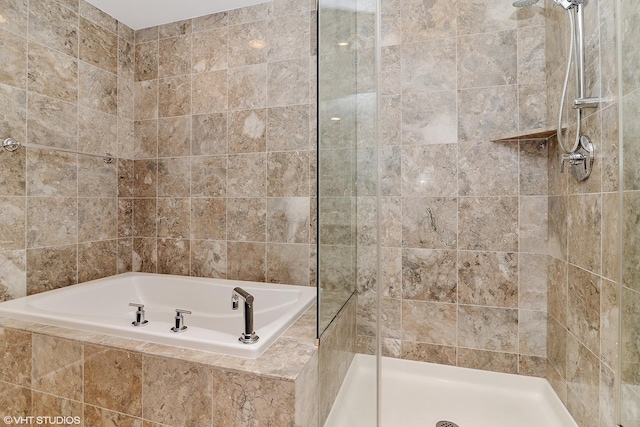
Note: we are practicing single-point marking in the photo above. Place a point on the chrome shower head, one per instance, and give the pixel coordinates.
(524, 3)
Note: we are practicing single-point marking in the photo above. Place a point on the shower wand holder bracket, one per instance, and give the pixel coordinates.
(581, 160)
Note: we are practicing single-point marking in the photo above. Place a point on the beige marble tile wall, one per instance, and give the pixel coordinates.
(224, 145)
(583, 229)
(464, 219)
(66, 81)
(630, 299)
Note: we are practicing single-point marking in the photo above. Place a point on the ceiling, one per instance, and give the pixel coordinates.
(139, 14)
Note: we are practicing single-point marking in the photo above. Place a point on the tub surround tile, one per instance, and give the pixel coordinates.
(173, 177)
(16, 358)
(113, 379)
(97, 89)
(15, 400)
(145, 255)
(101, 18)
(209, 218)
(209, 134)
(172, 217)
(98, 46)
(145, 96)
(189, 401)
(209, 92)
(15, 13)
(51, 268)
(208, 259)
(51, 122)
(51, 221)
(125, 178)
(241, 398)
(13, 274)
(533, 277)
(97, 260)
(125, 256)
(54, 26)
(146, 61)
(174, 137)
(173, 256)
(246, 261)
(174, 56)
(287, 82)
(174, 96)
(12, 228)
(57, 367)
(210, 50)
(97, 132)
(97, 219)
(52, 73)
(208, 176)
(99, 417)
(55, 406)
(426, 21)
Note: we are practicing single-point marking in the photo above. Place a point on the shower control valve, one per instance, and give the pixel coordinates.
(573, 159)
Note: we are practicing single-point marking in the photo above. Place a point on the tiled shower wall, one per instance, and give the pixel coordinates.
(66, 75)
(464, 250)
(583, 228)
(223, 177)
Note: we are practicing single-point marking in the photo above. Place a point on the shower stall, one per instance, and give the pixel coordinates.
(447, 232)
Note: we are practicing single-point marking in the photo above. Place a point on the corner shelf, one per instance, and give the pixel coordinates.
(539, 136)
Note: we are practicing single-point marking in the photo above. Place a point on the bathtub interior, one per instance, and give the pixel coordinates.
(418, 394)
(102, 306)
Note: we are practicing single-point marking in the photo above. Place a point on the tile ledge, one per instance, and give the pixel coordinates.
(533, 135)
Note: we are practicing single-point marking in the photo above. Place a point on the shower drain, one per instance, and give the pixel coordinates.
(446, 424)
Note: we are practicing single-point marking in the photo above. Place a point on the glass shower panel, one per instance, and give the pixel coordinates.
(347, 192)
(629, 20)
(337, 115)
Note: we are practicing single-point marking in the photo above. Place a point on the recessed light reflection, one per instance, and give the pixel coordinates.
(343, 44)
(257, 44)
(2, 19)
(335, 119)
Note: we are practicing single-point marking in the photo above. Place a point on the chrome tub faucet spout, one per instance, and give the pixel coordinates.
(249, 335)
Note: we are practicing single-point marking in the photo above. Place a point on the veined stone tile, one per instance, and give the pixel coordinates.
(57, 366)
(209, 258)
(174, 137)
(98, 89)
(246, 219)
(14, 49)
(209, 92)
(432, 323)
(97, 260)
(13, 275)
(246, 261)
(146, 61)
(51, 268)
(209, 134)
(247, 131)
(429, 222)
(288, 264)
(52, 73)
(174, 56)
(209, 218)
(15, 14)
(488, 278)
(247, 44)
(54, 26)
(98, 46)
(488, 360)
(209, 52)
(488, 328)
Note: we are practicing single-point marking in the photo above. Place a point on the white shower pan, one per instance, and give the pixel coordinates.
(416, 394)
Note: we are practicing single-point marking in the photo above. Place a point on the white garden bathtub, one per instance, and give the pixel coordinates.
(103, 306)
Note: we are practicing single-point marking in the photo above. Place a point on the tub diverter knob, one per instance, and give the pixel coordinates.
(179, 321)
(140, 320)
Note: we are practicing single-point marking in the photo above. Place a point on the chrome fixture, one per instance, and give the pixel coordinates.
(11, 144)
(581, 154)
(249, 335)
(179, 321)
(140, 320)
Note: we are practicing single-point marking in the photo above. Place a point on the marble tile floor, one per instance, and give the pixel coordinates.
(421, 394)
